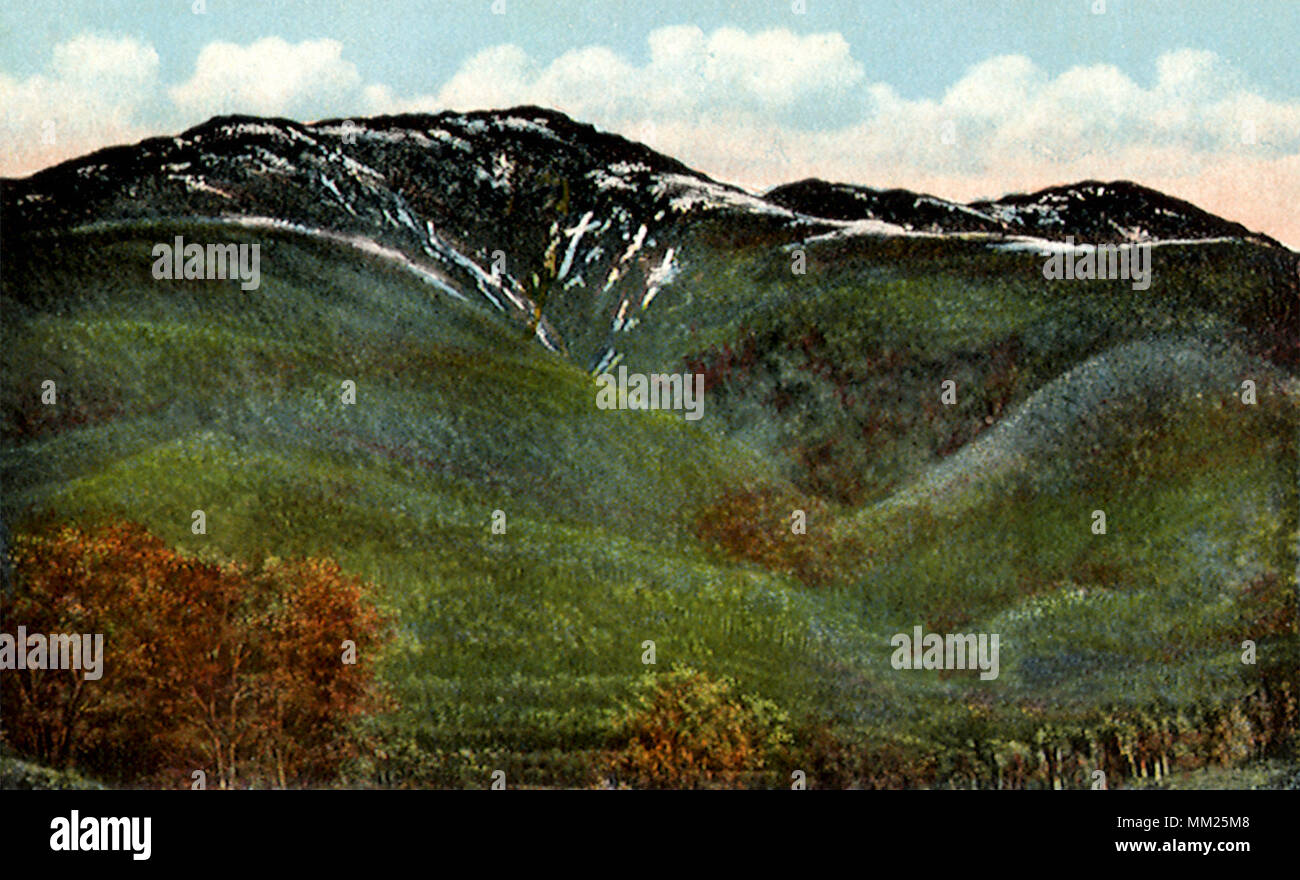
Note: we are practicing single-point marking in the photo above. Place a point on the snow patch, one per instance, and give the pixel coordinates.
(360, 243)
(689, 193)
(635, 245)
(198, 184)
(576, 233)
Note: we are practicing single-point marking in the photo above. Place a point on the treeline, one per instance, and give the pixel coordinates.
(687, 729)
(970, 749)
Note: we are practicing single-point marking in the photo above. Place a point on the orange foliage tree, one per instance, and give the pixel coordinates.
(235, 670)
(687, 729)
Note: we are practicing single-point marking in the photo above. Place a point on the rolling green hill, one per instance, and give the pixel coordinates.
(516, 650)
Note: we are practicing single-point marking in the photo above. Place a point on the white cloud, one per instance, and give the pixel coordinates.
(90, 96)
(268, 78)
(754, 108)
(105, 63)
(780, 75)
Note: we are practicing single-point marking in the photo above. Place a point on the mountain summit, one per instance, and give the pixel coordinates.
(567, 229)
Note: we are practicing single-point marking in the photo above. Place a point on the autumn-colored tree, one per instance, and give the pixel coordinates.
(689, 730)
(235, 670)
(312, 696)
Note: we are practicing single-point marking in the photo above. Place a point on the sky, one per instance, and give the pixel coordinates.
(965, 99)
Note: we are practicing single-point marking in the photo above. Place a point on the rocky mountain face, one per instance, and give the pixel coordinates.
(1114, 212)
(516, 208)
(1089, 212)
(912, 211)
(532, 214)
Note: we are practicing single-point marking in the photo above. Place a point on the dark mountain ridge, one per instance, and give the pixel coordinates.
(1114, 211)
(563, 228)
(510, 162)
(911, 210)
(1090, 211)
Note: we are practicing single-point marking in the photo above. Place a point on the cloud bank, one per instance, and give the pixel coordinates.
(752, 108)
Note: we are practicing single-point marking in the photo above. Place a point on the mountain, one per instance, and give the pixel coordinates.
(559, 203)
(568, 230)
(904, 208)
(1089, 212)
(826, 323)
(1119, 211)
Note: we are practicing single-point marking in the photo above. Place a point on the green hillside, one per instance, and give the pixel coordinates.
(516, 650)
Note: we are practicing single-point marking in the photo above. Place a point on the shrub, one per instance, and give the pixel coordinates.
(689, 730)
(755, 525)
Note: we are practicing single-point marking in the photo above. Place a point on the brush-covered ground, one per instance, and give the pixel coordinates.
(518, 651)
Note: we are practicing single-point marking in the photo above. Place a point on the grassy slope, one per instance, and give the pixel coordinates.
(175, 397)
(845, 361)
(182, 396)
(1199, 489)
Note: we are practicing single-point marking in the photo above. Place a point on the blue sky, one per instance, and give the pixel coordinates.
(415, 44)
(966, 99)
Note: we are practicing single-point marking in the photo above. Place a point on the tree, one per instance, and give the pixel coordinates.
(687, 729)
(226, 668)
